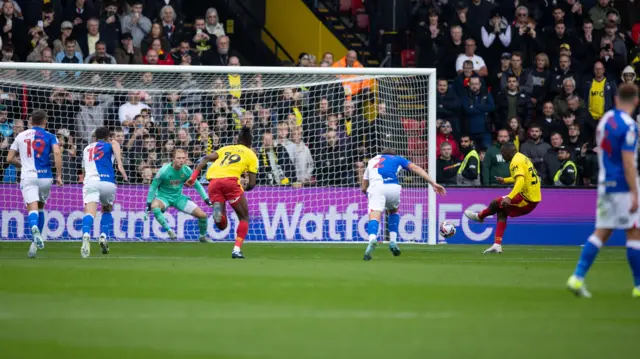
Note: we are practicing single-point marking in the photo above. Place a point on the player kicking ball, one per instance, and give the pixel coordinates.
(34, 147)
(380, 183)
(522, 200)
(617, 140)
(99, 187)
(229, 163)
(166, 192)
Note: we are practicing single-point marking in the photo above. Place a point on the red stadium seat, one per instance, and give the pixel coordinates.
(408, 57)
(345, 5)
(362, 21)
(356, 5)
(635, 32)
(417, 147)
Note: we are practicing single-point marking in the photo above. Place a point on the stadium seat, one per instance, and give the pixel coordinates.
(408, 57)
(362, 21)
(635, 32)
(356, 6)
(345, 5)
(416, 146)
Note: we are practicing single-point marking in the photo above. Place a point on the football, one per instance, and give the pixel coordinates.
(447, 229)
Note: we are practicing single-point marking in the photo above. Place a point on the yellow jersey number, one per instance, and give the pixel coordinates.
(230, 159)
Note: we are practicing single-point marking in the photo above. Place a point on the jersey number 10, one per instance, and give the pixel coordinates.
(36, 146)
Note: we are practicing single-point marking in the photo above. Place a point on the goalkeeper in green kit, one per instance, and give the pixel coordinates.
(166, 191)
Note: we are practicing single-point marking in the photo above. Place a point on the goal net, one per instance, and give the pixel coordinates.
(314, 130)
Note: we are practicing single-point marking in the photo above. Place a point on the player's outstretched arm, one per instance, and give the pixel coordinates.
(364, 186)
(118, 154)
(212, 157)
(201, 191)
(252, 182)
(57, 158)
(13, 159)
(422, 173)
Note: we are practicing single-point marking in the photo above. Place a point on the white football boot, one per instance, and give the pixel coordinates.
(85, 250)
(495, 248)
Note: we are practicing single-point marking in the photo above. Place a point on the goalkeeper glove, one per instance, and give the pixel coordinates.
(208, 202)
(147, 210)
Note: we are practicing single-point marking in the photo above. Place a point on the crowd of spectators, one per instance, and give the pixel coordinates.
(538, 73)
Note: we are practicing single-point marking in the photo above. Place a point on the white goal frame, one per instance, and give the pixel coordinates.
(431, 73)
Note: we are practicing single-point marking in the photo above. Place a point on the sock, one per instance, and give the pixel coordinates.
(87, 224)
(491, 210)
(372, 229)
(500, 227)
(243, 229)
(588, 256)
(41, 220)
(223, 223)
(106, 224)
(394, 222)
(160, 218)
(633, 256)
(202, 226)
(33, 219)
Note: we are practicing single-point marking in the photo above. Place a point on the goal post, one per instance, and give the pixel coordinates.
(314, 130)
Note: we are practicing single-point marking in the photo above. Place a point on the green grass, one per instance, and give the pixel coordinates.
(188, 300)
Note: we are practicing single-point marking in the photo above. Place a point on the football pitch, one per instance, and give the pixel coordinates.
(191, 300)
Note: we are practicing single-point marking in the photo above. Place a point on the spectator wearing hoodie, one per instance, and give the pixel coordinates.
(445, 135)
(449, 105)
(535, 148)
(628, 75)
(446, 165)
(494, 164)
(551, 162)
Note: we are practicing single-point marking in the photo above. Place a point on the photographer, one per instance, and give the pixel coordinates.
(613, 63)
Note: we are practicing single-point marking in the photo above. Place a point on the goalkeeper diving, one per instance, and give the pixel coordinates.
(166, 191)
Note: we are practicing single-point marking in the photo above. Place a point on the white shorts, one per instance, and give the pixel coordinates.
(612, 211)
(384, 196)
(99, 192)
(36, 189)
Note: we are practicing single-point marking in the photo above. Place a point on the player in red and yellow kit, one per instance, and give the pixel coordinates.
(522, 200)
(229, 163)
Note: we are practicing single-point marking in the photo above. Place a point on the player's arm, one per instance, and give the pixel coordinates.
(57, 159)
(365, 181)
(422, 173)
(252, 182)
(517, 187)
(12, 159)
(629, 150)
(212, 157)
(198, 186)
(252, 169)
(153, 188)
(118, 154)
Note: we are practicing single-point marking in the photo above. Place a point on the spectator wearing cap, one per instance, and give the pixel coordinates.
(50, 21)
(66, 29)
(525, 82)
(496, 38)
(567, 174)
(126, 53)
(13, 30)
(551, 163)
(479, 65)
(213, 25)
(599, 92)
(600, 13)
(110, 26)
(565, 50)
(136, 23)
(79, 12)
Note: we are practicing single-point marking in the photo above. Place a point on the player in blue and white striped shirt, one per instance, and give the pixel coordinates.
(380, 183)
(617, 141)
(99, 187)
(34, 147)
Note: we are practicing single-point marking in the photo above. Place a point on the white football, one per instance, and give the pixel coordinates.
(447, 229)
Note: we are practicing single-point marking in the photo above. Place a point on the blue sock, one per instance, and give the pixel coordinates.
(33, 219)
(394, 222)
(87, 224)
(633, 256)
(372, 228)
(588, 256)
(41, 220)
(106, 223)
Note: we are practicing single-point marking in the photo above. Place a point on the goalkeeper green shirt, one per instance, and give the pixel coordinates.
(168, 183)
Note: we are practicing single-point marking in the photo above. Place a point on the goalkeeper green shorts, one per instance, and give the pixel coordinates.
(182, 203)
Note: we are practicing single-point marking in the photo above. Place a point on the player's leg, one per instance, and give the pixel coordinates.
(107, 199)
(30, 194)
(394, 221)
(90, 210)
(633, 256)
(492, 209)
(377, 203)
(218, 199)
(158, 206)
(44, 191)
(241, 208)
(501, 226)
(610, 208)
(186, 205)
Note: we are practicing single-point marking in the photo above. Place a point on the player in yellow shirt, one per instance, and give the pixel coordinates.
(229, 163)
(522, 200)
